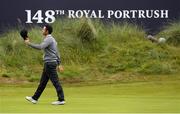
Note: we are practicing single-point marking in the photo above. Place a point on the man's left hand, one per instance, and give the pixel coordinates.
(60, 68)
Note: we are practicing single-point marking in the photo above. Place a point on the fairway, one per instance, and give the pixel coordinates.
(124, 97)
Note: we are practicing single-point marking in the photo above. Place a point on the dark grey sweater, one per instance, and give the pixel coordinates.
(49, 45)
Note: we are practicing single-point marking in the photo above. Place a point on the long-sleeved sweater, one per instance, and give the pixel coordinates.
(49, 45)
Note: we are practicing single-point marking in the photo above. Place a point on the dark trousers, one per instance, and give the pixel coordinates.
(49, 72)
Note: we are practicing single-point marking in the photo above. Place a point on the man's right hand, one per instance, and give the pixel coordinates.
(27, 41)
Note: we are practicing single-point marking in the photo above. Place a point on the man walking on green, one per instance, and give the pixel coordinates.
(51, 61)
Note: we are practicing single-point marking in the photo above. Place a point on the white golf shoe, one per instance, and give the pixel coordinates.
(58, 103)
(30, 99)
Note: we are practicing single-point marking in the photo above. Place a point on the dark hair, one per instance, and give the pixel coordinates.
(49, 28)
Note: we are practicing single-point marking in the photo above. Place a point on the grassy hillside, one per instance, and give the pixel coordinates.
(92, 49)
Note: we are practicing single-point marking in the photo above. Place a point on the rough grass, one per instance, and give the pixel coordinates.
(91, 48)
(172, 33)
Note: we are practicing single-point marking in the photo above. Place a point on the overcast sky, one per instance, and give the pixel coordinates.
(10, 10)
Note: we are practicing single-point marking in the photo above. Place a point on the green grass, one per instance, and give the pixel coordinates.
(144, 97)
(117, 68)
(172, 33)
(92, 48)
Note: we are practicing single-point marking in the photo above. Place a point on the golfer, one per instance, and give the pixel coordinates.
(51, 61)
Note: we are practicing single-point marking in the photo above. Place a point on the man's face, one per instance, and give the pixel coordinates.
(44, 31)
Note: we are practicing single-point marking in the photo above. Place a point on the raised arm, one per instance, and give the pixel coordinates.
(41, 46)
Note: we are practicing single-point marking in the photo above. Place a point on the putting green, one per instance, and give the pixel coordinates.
(160, 96)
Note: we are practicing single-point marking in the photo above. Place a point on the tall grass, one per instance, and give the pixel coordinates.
(172, 33)
(90, 48)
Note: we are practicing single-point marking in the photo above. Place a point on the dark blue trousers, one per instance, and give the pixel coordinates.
(49, 72)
